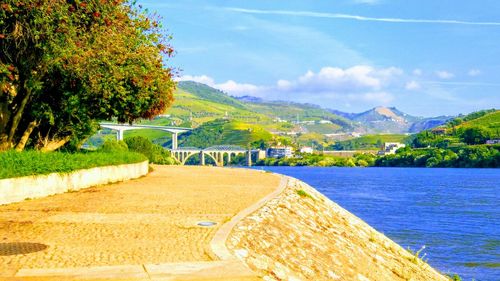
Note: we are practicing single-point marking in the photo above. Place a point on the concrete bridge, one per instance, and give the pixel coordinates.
(120, 128)
(217, 153)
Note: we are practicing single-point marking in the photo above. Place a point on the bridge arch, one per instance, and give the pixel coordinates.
(183, 162)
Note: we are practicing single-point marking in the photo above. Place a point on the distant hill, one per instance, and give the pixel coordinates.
(428, 123)
(200, 103)
(248, 119)
(487, 119)
(472, 129)
(391, 120)
(224, 132)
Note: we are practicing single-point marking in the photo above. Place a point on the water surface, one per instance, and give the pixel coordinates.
(455, 213)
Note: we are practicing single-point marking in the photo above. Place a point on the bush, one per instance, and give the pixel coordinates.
(155, 153)
(113, 146)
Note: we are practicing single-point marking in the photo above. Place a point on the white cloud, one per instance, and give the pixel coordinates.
(412, 85)
(238, 89)
(240, 28)
(200, 79)
(229, 86)
(357, 17)
(444, 74)
(361, 83)
(417, 72)
(474, 72)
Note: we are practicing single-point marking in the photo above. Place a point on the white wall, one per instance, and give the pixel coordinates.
(18, 189)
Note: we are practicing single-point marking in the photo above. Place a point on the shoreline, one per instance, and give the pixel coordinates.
(288, 232)
(270, 242)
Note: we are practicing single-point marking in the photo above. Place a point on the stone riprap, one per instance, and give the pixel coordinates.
(302, 235)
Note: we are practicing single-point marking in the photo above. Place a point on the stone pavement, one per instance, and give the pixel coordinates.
(144, 229)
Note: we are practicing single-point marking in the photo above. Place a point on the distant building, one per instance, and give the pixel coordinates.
(280, 152)
(390, 148)
(261, 154)
(325, 122)
(494, 141)
(306, 149)
(439, 131)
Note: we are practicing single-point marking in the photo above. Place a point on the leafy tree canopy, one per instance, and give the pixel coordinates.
(64, 64)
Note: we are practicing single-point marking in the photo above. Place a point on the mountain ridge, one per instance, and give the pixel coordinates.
(379, 119)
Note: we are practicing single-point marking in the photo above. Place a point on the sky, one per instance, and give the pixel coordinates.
(425, 57)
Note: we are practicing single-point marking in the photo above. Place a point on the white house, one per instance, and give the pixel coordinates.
(306, 149)
(280, 152)
(391, 147)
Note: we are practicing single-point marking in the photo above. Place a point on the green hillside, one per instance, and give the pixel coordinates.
(369, 142)
(199, 105)
(490, 121)
(472, 129)
(224, 132)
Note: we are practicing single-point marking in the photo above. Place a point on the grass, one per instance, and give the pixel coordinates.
(304, 194)
(370, 141)
(417, 257)
(491, 121)
(27, 163)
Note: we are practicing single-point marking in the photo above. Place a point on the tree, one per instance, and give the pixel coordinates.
(65, 64)
(475, 135)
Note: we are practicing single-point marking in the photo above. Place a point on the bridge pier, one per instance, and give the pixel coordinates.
(119, 135)
(174, 140)
(249, 158)
(202, 158)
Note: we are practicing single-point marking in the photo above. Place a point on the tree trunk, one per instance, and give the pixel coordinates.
(54, 144)
(24, 139)
(4, 143)
(16, 119)
(4, 119)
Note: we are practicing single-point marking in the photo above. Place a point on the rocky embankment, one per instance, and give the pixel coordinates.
(302, 235)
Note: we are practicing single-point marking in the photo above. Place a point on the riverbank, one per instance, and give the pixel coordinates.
(302, 235)
(152, 224)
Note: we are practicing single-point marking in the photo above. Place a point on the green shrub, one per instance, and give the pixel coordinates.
(303, 193)
(113, 146)
(155, 153)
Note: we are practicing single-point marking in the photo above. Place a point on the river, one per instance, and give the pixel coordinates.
(455, 213)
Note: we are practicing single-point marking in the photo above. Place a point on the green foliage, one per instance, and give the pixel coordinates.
(207, 93)
(113, 146)
(59, 73)
(475, 128)
(155, 153)
(303, 193)
(27, 163)
(368, 142)
(455, 277)
(462, 157)
(227, 132)
(474, 135)
(470, 117)
(319, 160)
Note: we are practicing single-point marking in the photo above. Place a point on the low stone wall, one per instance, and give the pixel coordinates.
(302, 235)
(18, 189)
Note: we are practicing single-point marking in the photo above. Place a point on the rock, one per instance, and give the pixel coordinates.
(241, 253)
(280, 271)
(260, 262)
(361, 277)
(332, 275)
(269, 278)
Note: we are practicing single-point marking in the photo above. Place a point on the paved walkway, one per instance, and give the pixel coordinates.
(148, 223)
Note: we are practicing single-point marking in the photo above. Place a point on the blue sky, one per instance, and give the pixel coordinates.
(425, 57)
